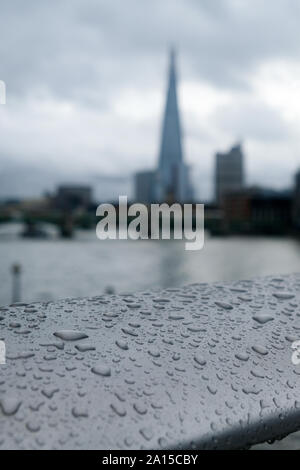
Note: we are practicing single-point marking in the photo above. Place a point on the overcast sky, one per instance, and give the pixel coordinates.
(86, 84)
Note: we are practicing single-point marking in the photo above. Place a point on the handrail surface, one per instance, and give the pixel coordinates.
(207, 366)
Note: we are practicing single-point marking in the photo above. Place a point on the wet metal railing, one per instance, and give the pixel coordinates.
(200, 367)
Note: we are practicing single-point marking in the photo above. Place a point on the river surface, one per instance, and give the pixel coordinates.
(85, 266)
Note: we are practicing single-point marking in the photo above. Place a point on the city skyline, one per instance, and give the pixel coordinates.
(89, 102)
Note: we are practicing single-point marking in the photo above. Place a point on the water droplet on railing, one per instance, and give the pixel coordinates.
(118, 409)
(284, 295)
(224, 305)
(242, 357)
(262, 319)
(9, 405)
(79, 413)
(122, 345)
(83, 347)
(102, 369)
(260, 350)
(200, 360)
(70, 335)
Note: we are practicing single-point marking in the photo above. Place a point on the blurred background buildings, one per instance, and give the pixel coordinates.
(236, 207)
(229, 172)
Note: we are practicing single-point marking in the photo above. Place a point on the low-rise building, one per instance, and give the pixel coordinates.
(257, 210)
(70, 197)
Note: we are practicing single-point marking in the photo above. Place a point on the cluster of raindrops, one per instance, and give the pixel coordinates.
(170, 369)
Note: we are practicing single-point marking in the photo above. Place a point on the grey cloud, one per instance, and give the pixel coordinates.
(76, 48)
(252, 120)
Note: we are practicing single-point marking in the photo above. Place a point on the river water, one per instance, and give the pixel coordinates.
(85, 266)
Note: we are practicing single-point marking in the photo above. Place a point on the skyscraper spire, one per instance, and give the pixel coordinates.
(172, 58)
(171, 148)
(170, 181)
(172, 173)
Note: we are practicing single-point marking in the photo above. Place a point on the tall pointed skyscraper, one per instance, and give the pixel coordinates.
(170, 181)
(172, 175)
(171, 149)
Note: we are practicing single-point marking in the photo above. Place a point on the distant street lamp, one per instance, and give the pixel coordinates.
(16, 286)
